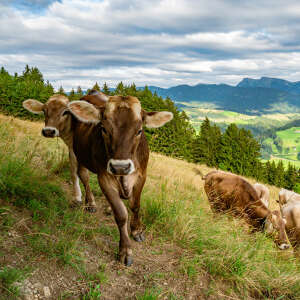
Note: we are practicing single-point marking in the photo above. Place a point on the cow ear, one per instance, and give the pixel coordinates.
(84, 111)
(33, 106)
(156, 119)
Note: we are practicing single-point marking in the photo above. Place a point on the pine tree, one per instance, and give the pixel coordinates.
(120, 89)
(61, 91)
(207, 144)
(96, 87)
(72, 95)
(79, 92)
(105, 89)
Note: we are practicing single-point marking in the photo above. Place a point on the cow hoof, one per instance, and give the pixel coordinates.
(128, 261)
(91, 209)
(139, 237)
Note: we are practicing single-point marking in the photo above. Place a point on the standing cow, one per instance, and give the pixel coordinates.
(58, 123)
(111, 143)
(229, 192)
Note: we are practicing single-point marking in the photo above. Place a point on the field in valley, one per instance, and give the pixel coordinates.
(290, 137)
(189, 253)
(290, 146)
(198, 112)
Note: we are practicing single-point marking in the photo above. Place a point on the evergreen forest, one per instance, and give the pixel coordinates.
(233, 149)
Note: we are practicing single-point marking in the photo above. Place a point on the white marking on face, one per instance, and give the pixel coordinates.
(283, 246)
(121, 162)
(52, 128)
(137, 109)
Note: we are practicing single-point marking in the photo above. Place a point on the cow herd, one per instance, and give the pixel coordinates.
(227, 192)
(104, 135)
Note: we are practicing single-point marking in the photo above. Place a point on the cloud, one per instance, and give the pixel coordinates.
(78, 42)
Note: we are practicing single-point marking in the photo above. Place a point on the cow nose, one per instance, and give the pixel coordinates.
(49, 132)
(120, 167)
(284, 246)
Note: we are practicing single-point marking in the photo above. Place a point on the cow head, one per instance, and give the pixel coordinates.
(275, 223)
(121, 121)
(57, 120)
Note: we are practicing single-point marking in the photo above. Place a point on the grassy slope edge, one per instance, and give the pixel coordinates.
(189, 253)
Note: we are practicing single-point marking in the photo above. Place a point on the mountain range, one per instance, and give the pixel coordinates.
(250, 96)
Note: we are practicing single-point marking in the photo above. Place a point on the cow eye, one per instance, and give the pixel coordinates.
(139, 132)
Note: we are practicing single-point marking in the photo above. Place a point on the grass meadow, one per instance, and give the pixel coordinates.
(197, 112)
(189, 252)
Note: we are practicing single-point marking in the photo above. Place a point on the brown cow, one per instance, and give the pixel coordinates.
(291, 212)
(58, 123)
(263, 193)
(98, 99)
(286, 196)
(229, 192)
(111, 143)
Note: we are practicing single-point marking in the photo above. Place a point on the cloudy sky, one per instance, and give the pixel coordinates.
(163, 43)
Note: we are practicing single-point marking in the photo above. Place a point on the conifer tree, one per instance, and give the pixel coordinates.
(96, 87)
(72, 95)
(105, 89)
(79, 92)
(61, 91)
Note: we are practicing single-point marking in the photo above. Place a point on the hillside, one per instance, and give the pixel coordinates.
(273, 83)
(250, 96)
(258, 124)
(45, 242)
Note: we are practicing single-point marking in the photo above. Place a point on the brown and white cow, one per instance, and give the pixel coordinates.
(58, 123)
(291, 213)
(263, 193)
(111, 143)
(286, 196)
(229, 192)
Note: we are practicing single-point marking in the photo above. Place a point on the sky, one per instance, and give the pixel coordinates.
(163, 43)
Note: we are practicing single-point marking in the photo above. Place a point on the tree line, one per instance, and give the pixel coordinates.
(235, 150)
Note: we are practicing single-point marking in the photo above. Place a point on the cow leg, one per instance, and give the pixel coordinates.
(134, 204)
(121, 216)
(74, 177)
(89, 197)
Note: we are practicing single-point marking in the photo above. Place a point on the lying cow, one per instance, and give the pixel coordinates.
(263, 193)
(111, 143)
(291, 212)
(58, 123)
(229, 192)
(286, 196)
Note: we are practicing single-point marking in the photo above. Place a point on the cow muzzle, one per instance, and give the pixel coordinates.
(120, 167)
(283, 246)
(50, 132)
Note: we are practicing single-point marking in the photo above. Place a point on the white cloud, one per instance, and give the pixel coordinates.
(78, 42)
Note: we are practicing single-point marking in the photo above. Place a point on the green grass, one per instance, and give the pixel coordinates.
(249, 263)
(291, 146)
(198, 111)
(9, 276)
(220, 248)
